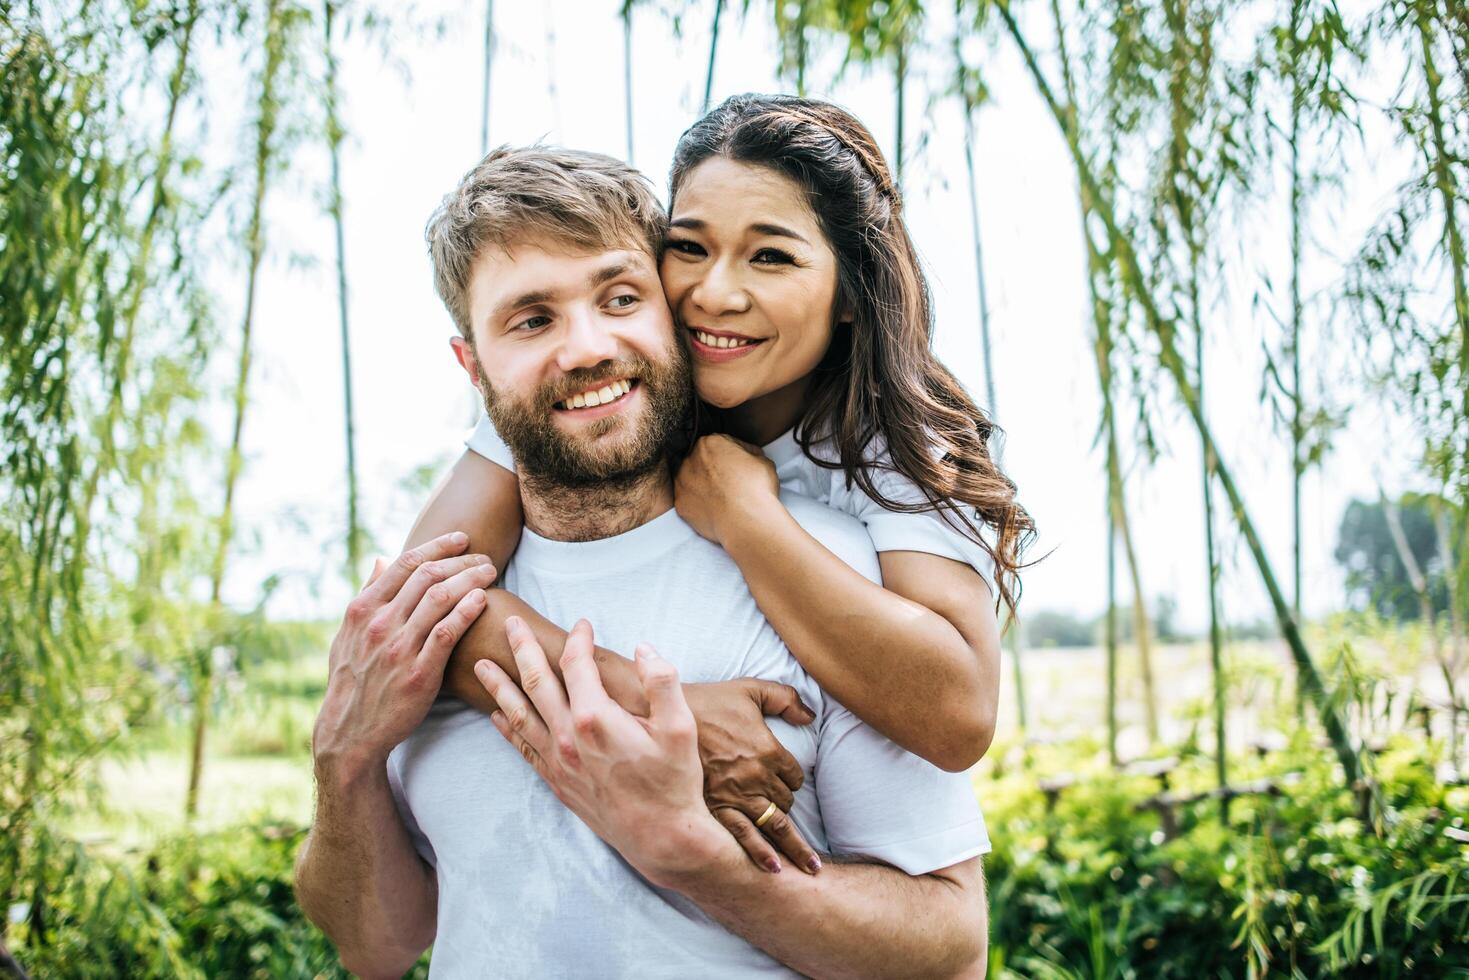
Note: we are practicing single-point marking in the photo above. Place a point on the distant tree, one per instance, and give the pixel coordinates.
(1059, 628)
(1376, 577)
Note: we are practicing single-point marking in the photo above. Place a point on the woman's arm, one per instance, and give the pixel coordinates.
(917, 660)
(746, 767)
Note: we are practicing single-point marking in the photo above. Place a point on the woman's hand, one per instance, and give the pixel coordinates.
(746, 770)
(719, 480)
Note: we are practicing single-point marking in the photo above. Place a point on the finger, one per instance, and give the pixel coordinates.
(527, 751)
(788, 769)
(378, 565)
(584, 688)
(781, 830)
(780, 794)
(754, 843)
(781, 699)
(392, 579)
(519, 713)
(448, 631)
(428, 581)
(667, 708)
(460, 576)
(538, 681)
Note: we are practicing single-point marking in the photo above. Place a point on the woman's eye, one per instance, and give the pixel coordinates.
(773, 256)
(532, 323)
(685, 247)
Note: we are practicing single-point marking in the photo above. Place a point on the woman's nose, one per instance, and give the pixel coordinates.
(720, 292)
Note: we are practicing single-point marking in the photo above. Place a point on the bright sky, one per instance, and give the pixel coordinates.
(411, 139)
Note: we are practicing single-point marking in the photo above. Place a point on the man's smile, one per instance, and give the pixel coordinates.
(600, 400)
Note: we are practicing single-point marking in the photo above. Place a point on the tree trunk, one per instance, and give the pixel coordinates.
(255, 239)
(713, 49)
(1456, 627)
(484, 114)
(627, 73)
(1165, 331)
(1142, 627)
(334, 141)
(1419, 581)
(900, 81)
(1111, 625)
(1297, 431)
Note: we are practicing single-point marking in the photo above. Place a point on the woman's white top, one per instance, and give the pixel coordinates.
(928, 531)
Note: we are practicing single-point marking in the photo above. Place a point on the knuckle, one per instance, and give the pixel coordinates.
(443, 634)
(516, 716)
(586, 723)
(566, 749)
(359, 610)
(379, 626)
(438, 594)
(531, 680)
(410, 559)
(778, 823)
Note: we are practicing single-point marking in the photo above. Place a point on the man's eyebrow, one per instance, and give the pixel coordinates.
(608, 273)
(524, 299)
(759, 227)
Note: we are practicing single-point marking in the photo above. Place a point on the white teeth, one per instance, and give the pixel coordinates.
(601, 396)
(710, 340)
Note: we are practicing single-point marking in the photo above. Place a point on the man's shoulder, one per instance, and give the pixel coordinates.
(841, 533)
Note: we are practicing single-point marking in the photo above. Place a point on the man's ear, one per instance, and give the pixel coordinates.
(465, 354)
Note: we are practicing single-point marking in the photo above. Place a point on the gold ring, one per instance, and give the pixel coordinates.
(769, 812)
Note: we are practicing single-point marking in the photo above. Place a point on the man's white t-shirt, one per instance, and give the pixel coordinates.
(526, 890)
(929, 531)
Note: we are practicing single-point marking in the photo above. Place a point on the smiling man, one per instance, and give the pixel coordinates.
(547, 260)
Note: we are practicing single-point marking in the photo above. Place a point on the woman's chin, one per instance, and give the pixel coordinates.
(721, 396)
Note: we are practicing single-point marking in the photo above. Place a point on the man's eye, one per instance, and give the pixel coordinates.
(773, 256)
(685, 247)
(532, 323)
(623, 302)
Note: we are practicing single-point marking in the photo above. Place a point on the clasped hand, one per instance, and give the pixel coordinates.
(637, 782)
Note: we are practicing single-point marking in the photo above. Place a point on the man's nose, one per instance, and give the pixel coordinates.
(586, 343)
(720, 291)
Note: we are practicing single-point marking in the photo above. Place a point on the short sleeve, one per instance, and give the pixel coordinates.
(405, 812)
(882, 803)
(483, 439)
(931, 531)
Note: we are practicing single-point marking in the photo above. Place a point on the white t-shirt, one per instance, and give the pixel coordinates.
(927, 531)
(526, 890)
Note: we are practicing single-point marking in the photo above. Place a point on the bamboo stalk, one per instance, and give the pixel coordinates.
(713, 49)
(484, 116)
(255, 239)
(627, 73)
(1164, 330)
(334, 141)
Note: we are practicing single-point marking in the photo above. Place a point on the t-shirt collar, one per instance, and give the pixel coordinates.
(629, 549)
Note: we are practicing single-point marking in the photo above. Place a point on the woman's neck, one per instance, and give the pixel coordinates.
(765, 418)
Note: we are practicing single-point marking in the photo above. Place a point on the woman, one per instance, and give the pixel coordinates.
(788, 264)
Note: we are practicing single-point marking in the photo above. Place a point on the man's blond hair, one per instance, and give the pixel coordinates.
(578, 200)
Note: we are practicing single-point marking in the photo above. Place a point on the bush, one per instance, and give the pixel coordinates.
(1294, 886)
(220, 905)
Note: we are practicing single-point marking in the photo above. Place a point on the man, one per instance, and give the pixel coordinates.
(547, 259)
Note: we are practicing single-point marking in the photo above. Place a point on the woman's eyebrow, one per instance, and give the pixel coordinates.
(759, 227)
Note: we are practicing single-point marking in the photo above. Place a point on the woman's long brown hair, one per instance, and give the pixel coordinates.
(880, 376)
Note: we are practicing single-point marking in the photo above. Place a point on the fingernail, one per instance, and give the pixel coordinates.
(514, 623)
(481, 671)
(459, 537)
(773, 866)
(814, 864)
(498, 718)
(477, 596)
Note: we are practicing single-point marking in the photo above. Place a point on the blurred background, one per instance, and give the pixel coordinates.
(1204, 261)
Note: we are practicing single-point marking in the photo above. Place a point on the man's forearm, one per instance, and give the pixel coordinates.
(486, 641)
(359, 878)
(857, 920)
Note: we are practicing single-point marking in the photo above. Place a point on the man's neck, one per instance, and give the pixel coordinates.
(606, 510)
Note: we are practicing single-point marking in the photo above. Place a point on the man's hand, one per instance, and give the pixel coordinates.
(746, 769)
(636, 782)
(388, 657)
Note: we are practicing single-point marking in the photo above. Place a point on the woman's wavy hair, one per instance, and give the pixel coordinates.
(880, 376)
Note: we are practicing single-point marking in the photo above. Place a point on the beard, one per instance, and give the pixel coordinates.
(604, 450)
